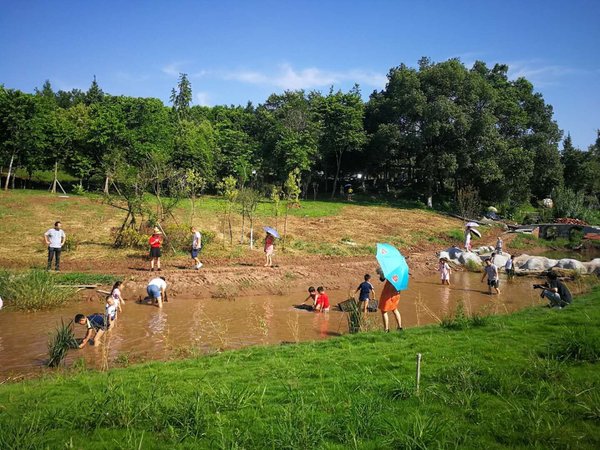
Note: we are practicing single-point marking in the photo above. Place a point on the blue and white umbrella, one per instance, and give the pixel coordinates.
(393, 265)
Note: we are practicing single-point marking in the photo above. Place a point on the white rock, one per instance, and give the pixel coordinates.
(469, 256)
(572, 264)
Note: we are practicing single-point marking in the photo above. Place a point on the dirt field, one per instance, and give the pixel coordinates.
(321, 250)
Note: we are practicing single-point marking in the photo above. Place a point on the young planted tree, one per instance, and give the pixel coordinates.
(227, 188)
(248, 199)
(291, 191)
(194, 184)
(276, 199)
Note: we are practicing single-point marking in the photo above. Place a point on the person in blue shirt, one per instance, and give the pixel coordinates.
(95, 324)
(365, 288)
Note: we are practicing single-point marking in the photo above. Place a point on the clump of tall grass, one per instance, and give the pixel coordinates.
(472, 266)
(58, 347)
(32, 290)
(355, 318)
(459, 320)
(579, 345)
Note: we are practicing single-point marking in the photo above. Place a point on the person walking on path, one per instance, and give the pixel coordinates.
(55, 239)
(491, 272)
(499, 244)
(444, 270)
(468, 239)
(155, 242)
(269, 249)
(157, 290)
(366, 289)
(388, 301)
(196, 247)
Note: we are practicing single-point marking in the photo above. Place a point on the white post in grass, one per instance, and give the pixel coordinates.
(418, 371)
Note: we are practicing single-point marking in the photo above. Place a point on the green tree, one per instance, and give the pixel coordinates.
(182, 97)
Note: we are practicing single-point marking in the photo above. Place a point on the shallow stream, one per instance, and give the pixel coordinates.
(190, 325)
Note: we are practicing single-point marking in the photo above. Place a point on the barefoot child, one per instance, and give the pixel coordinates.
(312, 295)
(366, 289)
(95, 326)
(509, 267)
(115, 293)
(322, 303)
(444, 270)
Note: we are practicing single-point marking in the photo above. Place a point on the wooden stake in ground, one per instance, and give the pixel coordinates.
(418, 371)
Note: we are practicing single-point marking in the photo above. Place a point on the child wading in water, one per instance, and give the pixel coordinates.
(444, 270)
(509, 267)
(365, 289)
(269, 249)
(322, 303)
(117, 299)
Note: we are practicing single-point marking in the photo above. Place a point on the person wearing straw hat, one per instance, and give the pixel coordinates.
(155, 242)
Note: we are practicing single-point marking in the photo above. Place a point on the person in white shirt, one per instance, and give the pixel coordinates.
(491, 272)
(509, 267)
(55, 239)
(196, 247)
(157, 290)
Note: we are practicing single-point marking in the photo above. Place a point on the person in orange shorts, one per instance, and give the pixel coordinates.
(388, 301)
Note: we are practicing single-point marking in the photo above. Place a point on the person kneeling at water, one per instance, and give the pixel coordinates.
(322, 302)
(94, 323)
(157, 290)
(555, 291)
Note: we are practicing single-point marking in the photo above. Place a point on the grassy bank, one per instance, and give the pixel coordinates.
(529, 380)
(33, 290)
(333, 228)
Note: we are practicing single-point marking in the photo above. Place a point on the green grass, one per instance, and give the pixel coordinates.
(528, 241)
(529, 380)
(32, 290)
(76, 278)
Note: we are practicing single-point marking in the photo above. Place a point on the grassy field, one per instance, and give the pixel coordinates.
(334, 228)
(529, 380)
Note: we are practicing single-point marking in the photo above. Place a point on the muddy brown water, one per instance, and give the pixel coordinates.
(193, 325)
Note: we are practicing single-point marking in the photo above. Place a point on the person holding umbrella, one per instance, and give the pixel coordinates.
(270, 245)
(394, 272)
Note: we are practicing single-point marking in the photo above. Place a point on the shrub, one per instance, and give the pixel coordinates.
(33, 290)
(130, 238)
(472, 266)
(568, 203)
(63, 340)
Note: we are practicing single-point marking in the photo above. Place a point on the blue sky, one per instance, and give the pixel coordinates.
(235, 51)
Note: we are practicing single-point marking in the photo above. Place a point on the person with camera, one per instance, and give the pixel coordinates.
(555, 291)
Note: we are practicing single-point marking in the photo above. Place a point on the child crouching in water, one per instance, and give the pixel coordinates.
(322, 303)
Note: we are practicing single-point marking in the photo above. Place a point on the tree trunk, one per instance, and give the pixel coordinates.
(106, 184)
(193, 209)
(243, 224)
(337, 174)
(251, 233)
(55, 181)
(285, 227)
(12, 158)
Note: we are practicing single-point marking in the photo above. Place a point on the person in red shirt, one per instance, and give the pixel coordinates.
(155, 242)
(322, 303)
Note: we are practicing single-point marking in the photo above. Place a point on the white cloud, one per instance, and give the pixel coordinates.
(539, 73)
(173, 69)
(203, 98)
(287, 77)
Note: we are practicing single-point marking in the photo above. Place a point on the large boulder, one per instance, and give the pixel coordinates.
(572, 264)
(500, 260)
(453, 252)
(469, 256)
(538, 263)
(593, 266)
